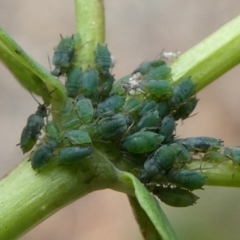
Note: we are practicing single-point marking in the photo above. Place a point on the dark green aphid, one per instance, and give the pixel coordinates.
(183, 156)
(175, 196)
(142, 142)
(132, 105)
(233, 153)
(216, 157)
(63, 56)
(112, 126)
(186, 109)
(149, 121)
(147, 106)
(163, 108)
(53, 132)
(78, 137)
(108, 80)
(160, 89)
(160, 163)
(157, 63)
(43, 154)
(110, 105)
(182, 92)
(90, 82)
(103, 58)
(188, 179)
(74, 78)
(84, 109)
(136, 160)
(72, 155)
(32, 130)
(144, 68)
(158, 73)
(167, 128)
(201, 144)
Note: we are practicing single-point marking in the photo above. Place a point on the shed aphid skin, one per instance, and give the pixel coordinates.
(187, 178)
(84, 109)
(78, 137)
(43, 154)
(175, 196)
(71, 155)
(169, 56)
(63, 55)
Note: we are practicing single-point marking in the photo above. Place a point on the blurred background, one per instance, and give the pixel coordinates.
(135, 31)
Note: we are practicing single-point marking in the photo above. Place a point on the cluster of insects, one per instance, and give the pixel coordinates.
(137, 114)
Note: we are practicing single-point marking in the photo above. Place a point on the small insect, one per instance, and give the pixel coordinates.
(149, 121)
(188, 179)
(63, 55)
(158, 73)
(216, 157)
(78, 137)
(160, 89)
(144, 68)
(43, 154)
(118, 86)
(53, 132)
(163, 108)
(175, 196)
(84, 109)
(90, 82)
(132, 105)
(233, 154)
(201, 144)
(68, 109)
(74, 78)
(107, 83)
(71, 123)
(142, 142)
(103, 58)
(110, 105)
(167, 128)
(183, 156)
(70, 155)
(147, 106)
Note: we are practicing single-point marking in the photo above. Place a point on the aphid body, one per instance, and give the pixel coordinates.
(90, 82)
(103, 58)
(78, 137)
(84, 109)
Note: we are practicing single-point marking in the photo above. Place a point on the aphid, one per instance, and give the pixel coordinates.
(147, 106)
(233, 153)
(182, 92)
(72, 155)
(63, 55)
(137, 160)
(142, 142)
(188, 179)
(160, 163)
(157, 63)
(68, 109)
(201, 144)
(216, 157)
(110, 105)
(132, 105)
(71, 123)
(158, 73)
(89, 83)
(74, 78)
(183, 156)
(160, 89)
(103, 58)
(112, 126)
(186, 109)
(163, 108)
(78, 137)
(106, 87)
(117, 87)
(53, 132)
(149, 121)
(144, 68)
(43, 154)
(32, 130)
(84, 109)
(167, 128)
(175, 196)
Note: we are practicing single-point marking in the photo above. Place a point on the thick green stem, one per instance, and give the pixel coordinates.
(212, 57)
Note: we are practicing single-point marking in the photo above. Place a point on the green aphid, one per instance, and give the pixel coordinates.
(32, 130)
(186, 109)
(216, 157)
(187, 179)
(53, 132)
(63, 56)
(110, 105)
(132, 105)
(68, 109)
(149, 121)
(183, 156)
(72, 155)
(144, 68)
(233, 154)
(147, 106)
(163, 108)
(71, 123)
(160, 89)
(160, 163)
(84, 109)
(157, 63)
(108, 80)
(103, 58)
(73, 83)
(43, 154)
(78, 137)
(142, 142)
(175, 196)
(182, 92)
(90, 82)
(89, 128)
(118, 86)
(167, 128)
(201, 144)
(158, 73)
(112, 126)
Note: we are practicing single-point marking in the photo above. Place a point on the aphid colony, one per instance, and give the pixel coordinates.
(137, 114)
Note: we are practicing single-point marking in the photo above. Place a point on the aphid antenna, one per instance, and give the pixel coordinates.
(36, 99)
(49, 62)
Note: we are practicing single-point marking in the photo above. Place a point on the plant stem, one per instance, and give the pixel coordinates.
(212, 57)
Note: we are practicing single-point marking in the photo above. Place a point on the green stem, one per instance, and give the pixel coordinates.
(91, 29)
(212, 57)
